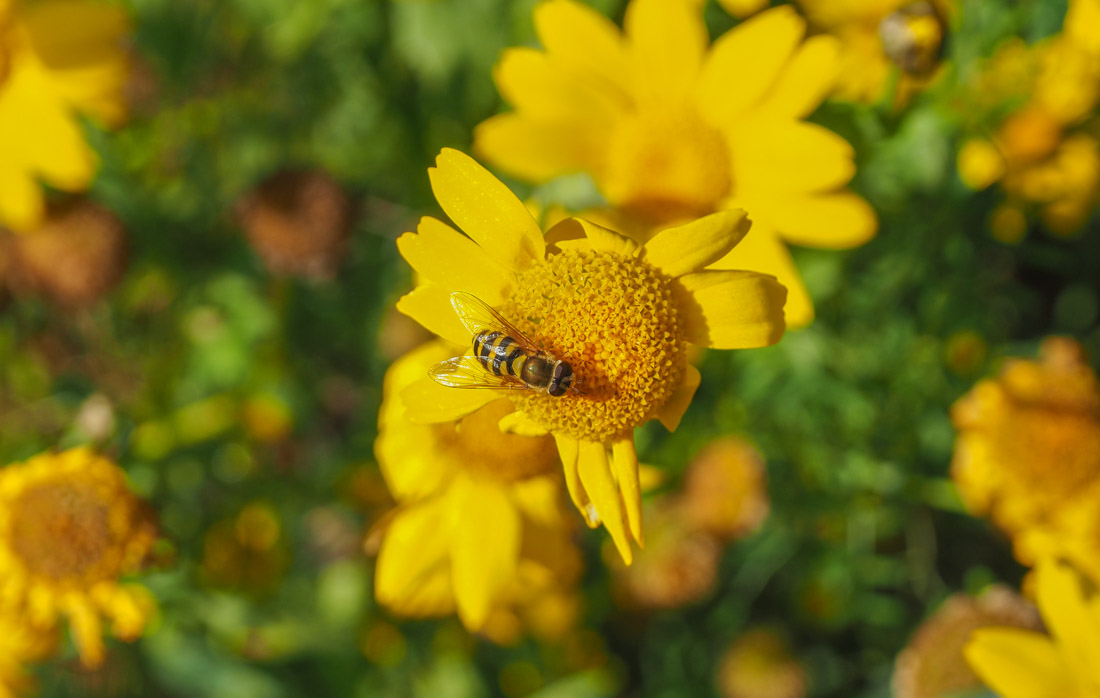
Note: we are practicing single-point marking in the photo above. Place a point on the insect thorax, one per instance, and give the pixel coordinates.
(537, 372)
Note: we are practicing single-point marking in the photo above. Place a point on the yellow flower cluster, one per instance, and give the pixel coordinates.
(59, 59)
(1044, 155)
(1028, 454)
(69, 530)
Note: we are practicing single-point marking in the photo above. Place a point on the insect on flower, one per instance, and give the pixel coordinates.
(913, 37)
(503, 356)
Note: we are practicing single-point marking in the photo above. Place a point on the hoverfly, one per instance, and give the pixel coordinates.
(913, 37)
(503, 357)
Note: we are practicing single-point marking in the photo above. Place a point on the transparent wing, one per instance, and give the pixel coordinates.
(477, 315)
(467, 372)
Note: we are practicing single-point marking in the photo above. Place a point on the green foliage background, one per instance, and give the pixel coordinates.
(866, 534)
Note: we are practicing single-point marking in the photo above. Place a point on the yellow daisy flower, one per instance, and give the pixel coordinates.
(21, 644)
(725, 490)
(479, 523)
(932, 665)
(69, 528)
(671, 129)
(622, 314)
(1029, 440)
(58, 59)
(1064, 664)
(881, 39)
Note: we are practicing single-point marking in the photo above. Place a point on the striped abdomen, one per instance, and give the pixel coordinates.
(499, 353)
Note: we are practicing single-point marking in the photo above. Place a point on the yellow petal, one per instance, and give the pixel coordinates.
(87, 631)
(430, 305)
(806, 80)
(486, 210)
(82, 45)
(411, 470)
(667, 41)
(453, 262)
(732, 309)
(601, 488)
(537, 86)
(596, 236)
(727, 86)
(763, 251)
(1082, 19)
(538, 498)
(412, 576)
(536, 150)
(519, 423)
(39, 133)
(673, 410)
(789, 156)
(568, 450)
(67, 34)
(486, 531)
(829, 221)
(427, 402)
(582, 39)
(21, 204)
(1018, 663)
(693, 246)
(624, 463)
(1066, 615)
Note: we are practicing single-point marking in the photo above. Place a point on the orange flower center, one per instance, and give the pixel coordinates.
(613, 318)
(61, 530)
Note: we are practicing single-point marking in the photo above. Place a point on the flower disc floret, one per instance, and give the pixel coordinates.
(614, 320)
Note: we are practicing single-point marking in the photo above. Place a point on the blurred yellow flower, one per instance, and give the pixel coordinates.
(479, 523)
(1041, 155)
(932, 665)
(678, 566)
(247, 551)
(880, 39)
(725, 490)
(58, 59)
(724, 497)
(21, 644)
(671, 129)
(1064, 664)
(758, 664)
(621, 313)
(69, 529)
(1029, 440)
